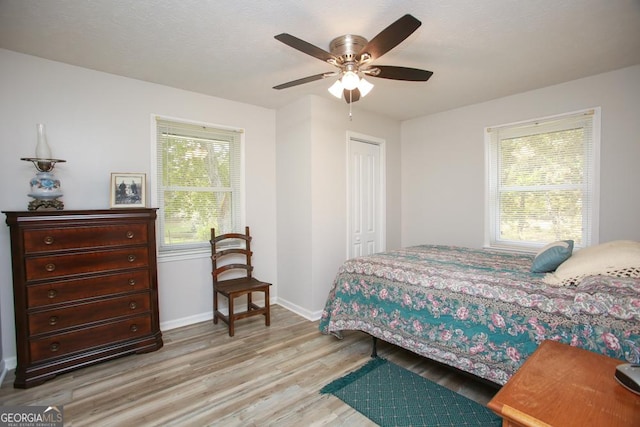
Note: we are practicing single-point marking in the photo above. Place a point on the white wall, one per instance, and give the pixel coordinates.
(294, 162)
(101, 123)
(312, 205)
(443, 159)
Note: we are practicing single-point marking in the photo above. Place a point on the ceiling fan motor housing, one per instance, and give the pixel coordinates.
(347, 47)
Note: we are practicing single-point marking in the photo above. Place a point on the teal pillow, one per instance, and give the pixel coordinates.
(551, 256)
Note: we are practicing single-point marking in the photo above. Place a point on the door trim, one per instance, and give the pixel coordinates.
(382, 211)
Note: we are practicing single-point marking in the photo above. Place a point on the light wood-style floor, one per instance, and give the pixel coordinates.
(262, 376)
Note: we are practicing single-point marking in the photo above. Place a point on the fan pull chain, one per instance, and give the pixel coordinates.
(350, 104)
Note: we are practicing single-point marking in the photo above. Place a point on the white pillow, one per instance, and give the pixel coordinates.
(620, 258)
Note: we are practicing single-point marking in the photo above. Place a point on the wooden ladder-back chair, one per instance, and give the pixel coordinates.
(239, 258)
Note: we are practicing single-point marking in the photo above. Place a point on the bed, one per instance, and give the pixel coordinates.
(481, 311)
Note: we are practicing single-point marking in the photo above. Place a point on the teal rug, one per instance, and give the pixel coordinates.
(393, 396)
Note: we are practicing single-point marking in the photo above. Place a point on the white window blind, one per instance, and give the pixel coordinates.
(542, 181)
(198, 183)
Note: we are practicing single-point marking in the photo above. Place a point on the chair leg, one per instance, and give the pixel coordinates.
(215, 307)
(231, 316)
(267, 314)
(249, 302)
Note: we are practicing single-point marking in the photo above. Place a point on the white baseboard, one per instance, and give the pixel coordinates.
(10, 363)
(309, 315)
(202, 317)
(3, 370)
(185, 321)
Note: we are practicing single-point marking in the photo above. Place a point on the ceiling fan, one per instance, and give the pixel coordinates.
(353, 56)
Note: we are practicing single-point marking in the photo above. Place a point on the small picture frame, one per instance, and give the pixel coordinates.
(128, 190)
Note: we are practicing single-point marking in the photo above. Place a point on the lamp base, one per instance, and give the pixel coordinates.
(45, 190)
(46, 204)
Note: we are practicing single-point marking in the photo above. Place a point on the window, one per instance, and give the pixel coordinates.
(198, 183)
(542, 181)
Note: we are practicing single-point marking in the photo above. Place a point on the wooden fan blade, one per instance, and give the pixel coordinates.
(351, 95)
(390, 37)
(400, 73)
(303, 80)
(305, 47)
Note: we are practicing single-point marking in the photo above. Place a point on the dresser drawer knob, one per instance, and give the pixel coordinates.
(52, 293)
(131, 258)
(133, 305)
(48, 240)
(132, 282)
(130, 234)
(133, 328)
(54, 346)
(53, 320)
(50, 267)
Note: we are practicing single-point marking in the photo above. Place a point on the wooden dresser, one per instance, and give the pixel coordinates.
(85, 288)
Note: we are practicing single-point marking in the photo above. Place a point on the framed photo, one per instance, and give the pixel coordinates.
(128, 190)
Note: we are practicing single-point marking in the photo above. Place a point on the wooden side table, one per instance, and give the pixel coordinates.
(560, 385)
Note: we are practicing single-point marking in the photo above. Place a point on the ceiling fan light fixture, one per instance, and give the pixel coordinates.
(364, 87)
(336, 89)
(350, 80)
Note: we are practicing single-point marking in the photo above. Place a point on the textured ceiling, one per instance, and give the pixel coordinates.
(478, 50)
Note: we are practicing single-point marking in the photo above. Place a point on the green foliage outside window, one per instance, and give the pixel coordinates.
(542, 181)
(198, 185)
(540, 188)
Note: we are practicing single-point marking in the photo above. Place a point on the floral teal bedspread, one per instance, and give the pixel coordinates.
(479, 310)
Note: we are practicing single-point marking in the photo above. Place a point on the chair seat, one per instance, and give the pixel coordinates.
(240, 285)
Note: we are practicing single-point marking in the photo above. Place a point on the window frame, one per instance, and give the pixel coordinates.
(492, 202)
(202, 250)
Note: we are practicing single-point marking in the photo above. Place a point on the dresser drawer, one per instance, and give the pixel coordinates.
(72, 290)
(64, 238)
(85, 339)
(48, 267)
(61, 318)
